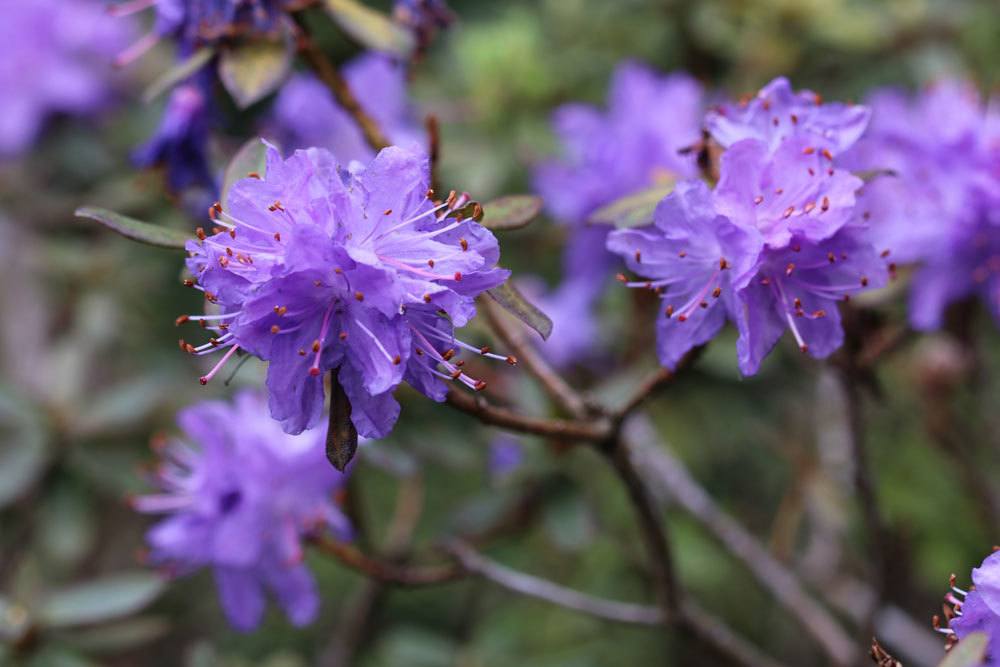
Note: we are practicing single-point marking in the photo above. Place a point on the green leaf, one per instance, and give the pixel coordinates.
(178, 73)
(24, 450)
(251, 158)
(137, 230)
(119, 636)
(511, 212)
(633, 210)
(514, 302)
(373, 29)
(252, 69)
(101, 600)
(969, 652)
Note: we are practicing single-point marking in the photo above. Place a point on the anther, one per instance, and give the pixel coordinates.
(864, 281)
(430, 263)
(253, 174)
(448, 354)
(359, 296)
(788, 212)
(342, 335)
(789, 269)
(277, 237)
(825, 204)
(479, 386)
(464, 244)
(485, 349)
(314, 371)
(682, 254)
(758, 199)
(316, 345)
(275, 328)
(717, 292)
(809, 207)
(397, 359)
(794, 119)
(280, 310)
(620, 277)
(808, 150)
(723, 264)
(181, 320)
(827, 154)
(429, 194)
(819, 314)
(388, 211)
(200, 233)
(458, 275)
(512, 360)
(638, 256)
(427, 298)
(884, 254)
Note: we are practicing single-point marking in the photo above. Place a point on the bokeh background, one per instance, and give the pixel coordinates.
(91, 372)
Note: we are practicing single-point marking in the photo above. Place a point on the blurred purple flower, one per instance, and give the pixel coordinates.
(240, 495)
(978, 610)
(194, 23)
(424, 18)
(57, 59)
(180, 145)
(634, 143)
(506, 455)
(321, 268)
(696, 260)
(305, 114)
(777, 113)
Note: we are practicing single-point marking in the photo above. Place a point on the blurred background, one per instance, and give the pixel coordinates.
(91, 372)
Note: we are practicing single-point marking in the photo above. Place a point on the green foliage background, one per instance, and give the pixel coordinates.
(91, 369)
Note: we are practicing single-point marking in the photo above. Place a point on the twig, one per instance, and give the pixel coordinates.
(554, 385)
(561, 429)
(670, 476)
(542, 589)
(715, 633)
(331, 77)
(387, 571)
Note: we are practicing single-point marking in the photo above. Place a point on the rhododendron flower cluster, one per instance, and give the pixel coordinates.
(240, 495)
(315, 267)
(978, 609)
(774, 247)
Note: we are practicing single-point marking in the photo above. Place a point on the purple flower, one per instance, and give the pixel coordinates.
(57, 59)
(240, 495)
(318, 268)
(194, 23)
(506, 456)
(978, 610)
(180, 145)
(633, 144)
(798, 288)
(305, 114)
(795, 191)
(424, 18)
(696, 260)
(777, 113)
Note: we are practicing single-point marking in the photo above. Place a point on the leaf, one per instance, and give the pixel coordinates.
(104, 599)
(341, 436)
(373, 29)
(178, 73)
(119, 636)
(511, 212)
(969, 652)
(24, 450)
(514, 303)
(137, 230)
(252, 69)
(249, 159)
(633, 210)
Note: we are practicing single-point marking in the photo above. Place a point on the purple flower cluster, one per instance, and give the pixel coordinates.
(305, 114)
(57, 59)
(636, 142)
(978, 610)
(316, 267)
(937, 205)
(240, 495)
(774, 247)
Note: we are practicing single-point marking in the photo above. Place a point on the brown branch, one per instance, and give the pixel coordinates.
(560, 429)
(543, 589)
(554, 385)
(715, 633)
(342, 93)
(671, 477)
(386, 571)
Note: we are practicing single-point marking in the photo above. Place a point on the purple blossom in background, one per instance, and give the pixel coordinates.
(320, 268)
(240, 495)
(632, 144)
(424, 18)
(305, 114)
(696, 260)
(777, 113)
(937, 207)
(506, 455)
(180, 145)
(978, 610)
(57, 59)
(194, 23)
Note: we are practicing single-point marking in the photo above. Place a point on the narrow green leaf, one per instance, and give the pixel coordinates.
(371, 28)
(137, 230)
(178, 73)
(633, 210)
(514, 302)
(341, 436)
(511, 211)
(252, 69)
(249, 159)
(969, 652)
(24, 448)
(101, 600)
